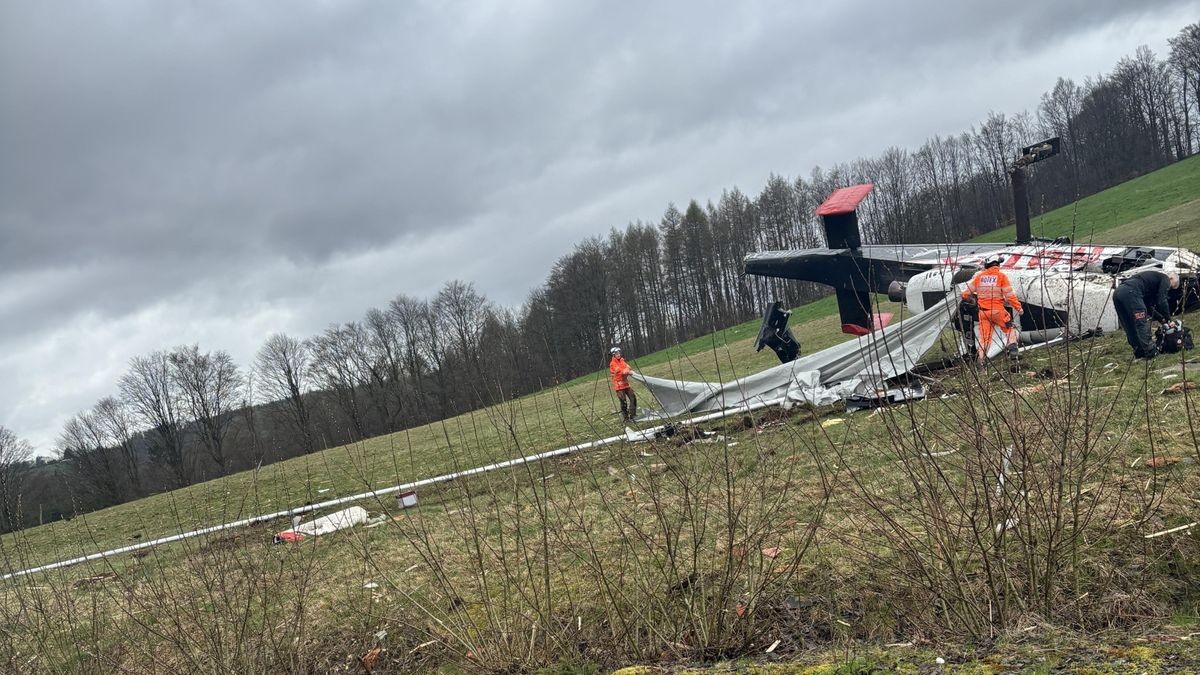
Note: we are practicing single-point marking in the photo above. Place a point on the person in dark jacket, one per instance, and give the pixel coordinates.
(1140, 298)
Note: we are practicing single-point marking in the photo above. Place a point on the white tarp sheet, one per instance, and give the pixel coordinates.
(338, 520)
(856, 366)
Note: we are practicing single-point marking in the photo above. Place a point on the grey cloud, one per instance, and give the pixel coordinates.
(280, 127)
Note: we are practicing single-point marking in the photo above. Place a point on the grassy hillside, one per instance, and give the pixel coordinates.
(1092, 219)
(1177, 226)
(798, 512)
(1121, 213)
(813, 527)
(577, 411)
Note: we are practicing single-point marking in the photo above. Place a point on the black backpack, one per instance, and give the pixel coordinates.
(1172, 340)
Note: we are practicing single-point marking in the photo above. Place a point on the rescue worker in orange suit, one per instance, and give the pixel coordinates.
(620, 378)
(991, 290)
(1138, 299)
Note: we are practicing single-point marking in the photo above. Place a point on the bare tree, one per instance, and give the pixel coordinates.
(249, 414)
(386, 364)
(113, 417)
(338, 366)
(151, 391)
(435, 353)
(212, 389)
(406, 313)
(14, 457)
(460, 309)
(1185, 57)
(285, 375)
(1058, 114)
(84, 444)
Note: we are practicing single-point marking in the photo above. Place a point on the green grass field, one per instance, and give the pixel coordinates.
(1103, 218)
(804, 527)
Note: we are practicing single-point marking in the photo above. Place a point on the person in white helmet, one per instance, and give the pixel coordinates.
(620, 378)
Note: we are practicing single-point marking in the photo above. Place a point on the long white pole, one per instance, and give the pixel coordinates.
(529, 459)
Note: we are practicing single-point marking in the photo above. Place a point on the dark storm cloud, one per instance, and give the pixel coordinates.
(341, 126)
(177, 172)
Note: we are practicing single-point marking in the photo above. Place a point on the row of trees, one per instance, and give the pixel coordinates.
(185, 415)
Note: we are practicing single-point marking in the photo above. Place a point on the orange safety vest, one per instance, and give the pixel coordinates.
(992, 288)
(620, 373)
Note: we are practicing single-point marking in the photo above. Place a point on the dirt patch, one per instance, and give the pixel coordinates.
(98, 580)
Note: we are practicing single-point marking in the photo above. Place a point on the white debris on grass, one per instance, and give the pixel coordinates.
(1008, 525)
(1172, 530)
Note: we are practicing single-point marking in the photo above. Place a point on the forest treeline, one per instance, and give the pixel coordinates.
(184, 415)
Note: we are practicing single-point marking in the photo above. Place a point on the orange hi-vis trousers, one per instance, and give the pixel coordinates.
(989, 318)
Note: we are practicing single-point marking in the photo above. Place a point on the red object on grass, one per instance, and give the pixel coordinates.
(878, 322)
(844, 200)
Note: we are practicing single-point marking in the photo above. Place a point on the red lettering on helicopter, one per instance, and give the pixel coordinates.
(1029, 258)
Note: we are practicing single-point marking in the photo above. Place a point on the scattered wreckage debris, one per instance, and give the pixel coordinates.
(373, 494)
(1160, 462)
(874, 358)
(338, 520)
(680, 435)
(97, 580)
(887, 397)
(406, 500)
(1179, 388)
(377, 521)
(694, 434)
(368, 660)
(768, 425)
(828, 376)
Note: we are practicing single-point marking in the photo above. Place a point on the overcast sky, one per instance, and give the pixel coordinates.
(214, 172)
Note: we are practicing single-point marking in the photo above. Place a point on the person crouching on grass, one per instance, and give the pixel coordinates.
(620, 378)
(1138, 299)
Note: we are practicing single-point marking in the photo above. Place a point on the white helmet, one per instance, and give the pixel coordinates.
(615, 350)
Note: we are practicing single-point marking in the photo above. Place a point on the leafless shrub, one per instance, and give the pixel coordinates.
(1014, 502)
(1007, 509)
(640, 552)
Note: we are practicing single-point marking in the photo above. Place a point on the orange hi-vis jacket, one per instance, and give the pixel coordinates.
(992, 288)
(620, 373)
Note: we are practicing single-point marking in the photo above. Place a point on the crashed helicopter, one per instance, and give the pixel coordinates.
(1066, 290)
